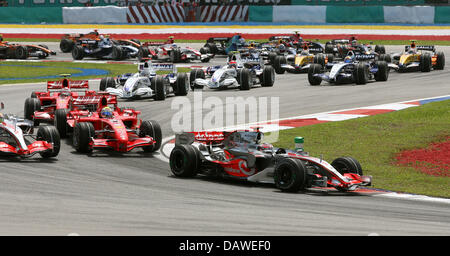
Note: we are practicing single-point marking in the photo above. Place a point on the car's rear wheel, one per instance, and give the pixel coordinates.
(106, 82)
(361, 73)
(153, 129)
(383, 71)
(160, 88)
(143, 53)
(31, 105)
(184, 160)
(78, 52)
(268, 76)
(440, 61)
(425, 62)
(290, 175)
(60, 122)
(117, 53)
(21, 52)
(319, 59)
(66, 45)
(49, 134)
(82, 134)
(181, 85)
(313, 70)
(277, 62)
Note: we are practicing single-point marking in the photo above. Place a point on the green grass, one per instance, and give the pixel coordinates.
(374, 141)
(57, 68)
(380, 42)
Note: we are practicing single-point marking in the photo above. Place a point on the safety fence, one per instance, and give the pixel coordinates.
(319, 14)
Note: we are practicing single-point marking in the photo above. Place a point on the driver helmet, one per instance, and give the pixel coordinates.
(282, 47)
(232, 64)
(107, 112)
(101, 37)
(348, 59)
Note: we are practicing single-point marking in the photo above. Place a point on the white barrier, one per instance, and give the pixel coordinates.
(300, 13)
(406, 14)
(94, 15)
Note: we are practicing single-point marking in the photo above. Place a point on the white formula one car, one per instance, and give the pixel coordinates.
(238, 73)
(146, 83)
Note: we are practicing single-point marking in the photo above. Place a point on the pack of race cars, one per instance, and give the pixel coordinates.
(93, 119)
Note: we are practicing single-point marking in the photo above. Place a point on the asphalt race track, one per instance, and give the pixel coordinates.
(135, 194)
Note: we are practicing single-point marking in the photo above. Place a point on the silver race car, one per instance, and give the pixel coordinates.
(146, 83)
(242, 73)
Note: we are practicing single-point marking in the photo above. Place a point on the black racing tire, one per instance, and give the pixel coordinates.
(66, 45)
(117, 52)
(312, 71)
(107, 82)
(31, 105)
(78, 52)
(245, 80)
(361, 73)
(347, 165)
(33, 95)
(175, 55)
(290, 175)
(330, 58)
(277, 62)
(380, 49)
(143, 53)
(385, 57)
(329, 48)
(383, 71)
(271, 57)
(184, 161)
(425, 62)
(60, 122)
(181, 85)
(153, 129)
(204, 50)
(194, 74)
(49, 134)
(21, 52)
(319, 59)
(440, 61)
(82, 134)
(268, 76)
(160, 88)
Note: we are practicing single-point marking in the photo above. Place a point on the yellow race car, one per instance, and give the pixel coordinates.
(418, 58)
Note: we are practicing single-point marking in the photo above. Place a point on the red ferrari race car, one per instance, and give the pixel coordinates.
(52, 105)
(19, 51)
(17, 138)
(241, 155)
(98, 123)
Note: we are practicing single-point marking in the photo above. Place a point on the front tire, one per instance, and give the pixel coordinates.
(290, 175)
(153, 129)
(160, 88)
(49, 134)
(60, 122)
(347, 165)
(182, 85)
(313, 70)
(82, 134)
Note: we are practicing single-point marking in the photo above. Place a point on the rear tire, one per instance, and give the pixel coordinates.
(425, 62)
(440, 61)
(277, 62)
(66, 45)
(290, 175)
(312, 71)
(153, 129)
(160, 88)
(82, 134)
(182, 85)
(31, 105)
(184, 160)
(383, 71)
(78, 52)
(319, 59)
(49, 134)
(21, 52)
(60, 122)
(106, 82)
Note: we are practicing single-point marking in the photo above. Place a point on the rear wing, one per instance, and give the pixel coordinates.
(340, 41)
(67, 84)
(164, 67)
(425, 48)
(272, 38)
(202, 137)
(365, 56)
(96, 100)
(218, 39)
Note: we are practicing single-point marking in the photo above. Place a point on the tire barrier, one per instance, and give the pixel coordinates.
(155, 14)
(214, 13)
